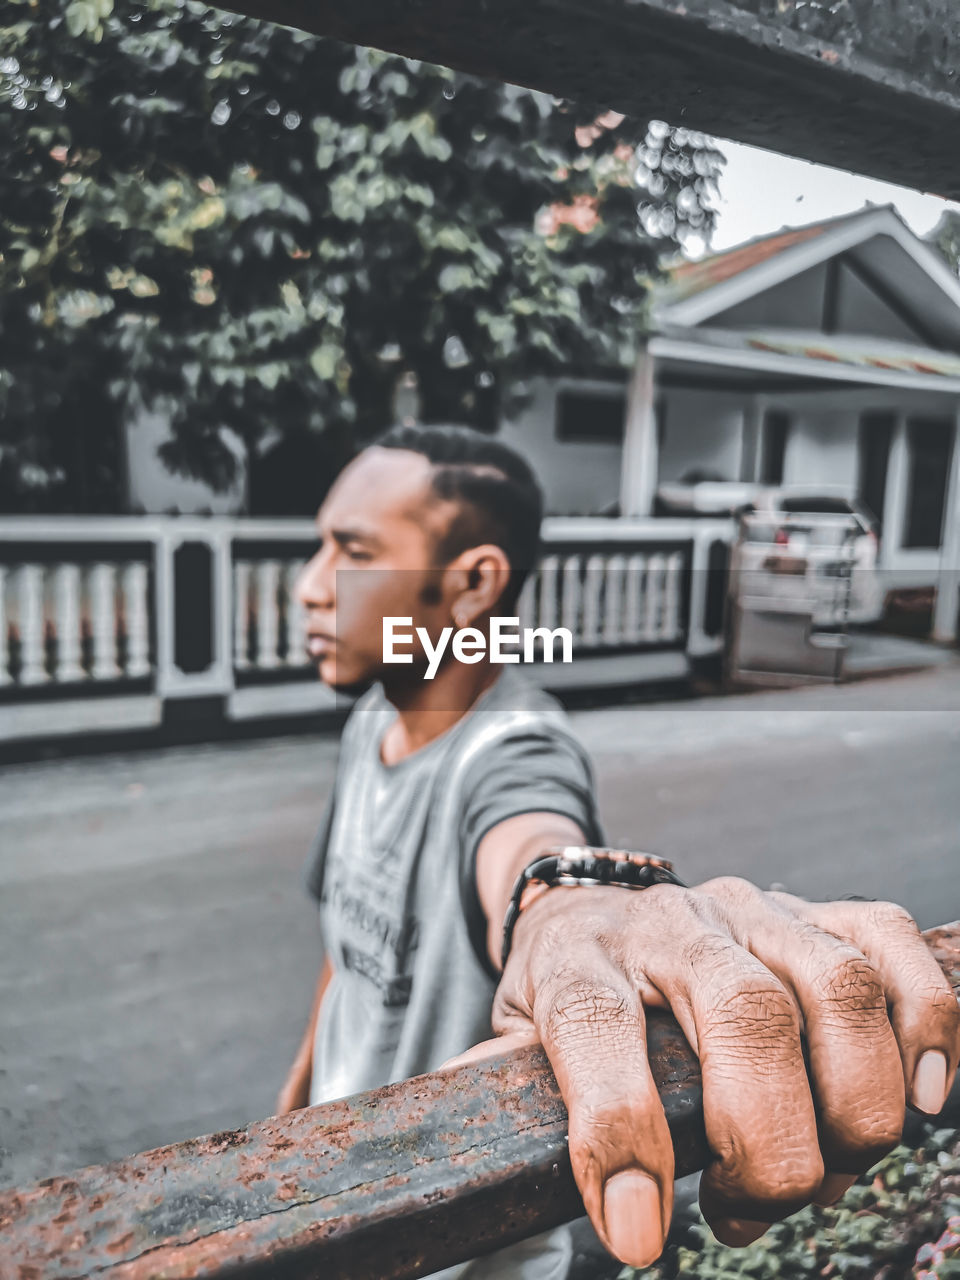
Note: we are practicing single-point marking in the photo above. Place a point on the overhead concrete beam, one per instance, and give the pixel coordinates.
(868, 85)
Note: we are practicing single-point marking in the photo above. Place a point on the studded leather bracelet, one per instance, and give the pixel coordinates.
(584, 865)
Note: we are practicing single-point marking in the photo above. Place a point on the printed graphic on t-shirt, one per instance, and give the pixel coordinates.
(375, 939)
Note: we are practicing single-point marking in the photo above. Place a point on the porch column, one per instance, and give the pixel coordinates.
(895, 497)
(640, 462)
(750, 439)
(946, 615)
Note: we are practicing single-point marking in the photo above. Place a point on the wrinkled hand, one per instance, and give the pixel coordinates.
(746, 974)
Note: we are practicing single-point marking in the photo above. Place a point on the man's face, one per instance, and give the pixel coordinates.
(379, 528)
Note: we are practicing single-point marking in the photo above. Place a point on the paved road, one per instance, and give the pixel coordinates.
(157, 955)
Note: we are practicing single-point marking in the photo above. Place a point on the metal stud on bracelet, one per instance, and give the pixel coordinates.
(584, 865)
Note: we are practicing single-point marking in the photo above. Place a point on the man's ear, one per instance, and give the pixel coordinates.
(485, 570)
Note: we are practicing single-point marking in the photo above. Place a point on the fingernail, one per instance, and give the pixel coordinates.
(833, 1188)
(930, 1082)
(631, 1218)
(738, 1232)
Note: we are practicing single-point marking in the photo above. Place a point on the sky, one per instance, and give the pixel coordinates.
(762, 192)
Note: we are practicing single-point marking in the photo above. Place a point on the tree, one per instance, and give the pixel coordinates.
(239, 225)
(945, 238)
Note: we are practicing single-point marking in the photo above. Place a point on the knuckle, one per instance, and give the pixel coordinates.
(891, 917)
(709, 952)
(939, 1000)
(680, 901)
(579, 1002)
(794, 1180)
(732, 889)
(848, 990)
(782, 1177)
(754, 1012)
(552, 938)
(596, 1118)
(872, 1134)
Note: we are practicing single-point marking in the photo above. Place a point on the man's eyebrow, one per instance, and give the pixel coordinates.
(342, 536)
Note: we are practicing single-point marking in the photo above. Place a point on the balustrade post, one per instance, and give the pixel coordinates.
(592, 594)
(103, 622)
(268, 615)
(653, 601)
(297, 655)
(548, 610)
(636, 570)
(66, 586)
(613, 601)
(5, 676)
(526, 605)
(33, 668)
(241, 614)
(136, 615)
(571, 596)
(670, 620)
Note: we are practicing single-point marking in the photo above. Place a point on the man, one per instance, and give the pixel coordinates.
(448, 788)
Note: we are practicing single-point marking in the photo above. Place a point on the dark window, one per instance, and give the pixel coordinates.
(776, 427)
(588, 417)
(929, 444)
(816, 505)
(876, 435)
(660, 410)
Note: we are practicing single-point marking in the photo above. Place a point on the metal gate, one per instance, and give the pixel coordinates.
(789, 598)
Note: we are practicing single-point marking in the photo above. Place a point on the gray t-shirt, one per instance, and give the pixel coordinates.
(394, 872)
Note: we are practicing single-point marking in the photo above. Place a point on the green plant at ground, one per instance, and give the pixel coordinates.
(901, 1220)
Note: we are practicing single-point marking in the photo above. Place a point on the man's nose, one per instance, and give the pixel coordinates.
(315, 582)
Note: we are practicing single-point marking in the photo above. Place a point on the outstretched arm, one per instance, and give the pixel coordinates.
(296, 1088)
(754, 979)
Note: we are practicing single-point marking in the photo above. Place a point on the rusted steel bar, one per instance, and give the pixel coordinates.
(869, 85)
(391, 1184)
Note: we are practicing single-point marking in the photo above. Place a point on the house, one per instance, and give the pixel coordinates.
(823, 354)
(826, 354)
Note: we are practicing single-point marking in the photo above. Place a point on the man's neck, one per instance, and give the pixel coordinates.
(431, 707)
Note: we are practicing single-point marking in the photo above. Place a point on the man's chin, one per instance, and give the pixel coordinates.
(341, 681)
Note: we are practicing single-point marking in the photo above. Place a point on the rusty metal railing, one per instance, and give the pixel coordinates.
(391, 1184)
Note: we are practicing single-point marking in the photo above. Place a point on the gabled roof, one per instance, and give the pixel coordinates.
(876, 237)
(688, 278)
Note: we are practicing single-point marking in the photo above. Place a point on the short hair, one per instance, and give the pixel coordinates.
(499, 498)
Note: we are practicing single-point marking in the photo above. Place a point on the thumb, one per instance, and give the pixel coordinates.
(491, 1048)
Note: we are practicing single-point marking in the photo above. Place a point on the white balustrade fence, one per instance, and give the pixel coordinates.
(72, 622)
(608, 600)
(96, 605)
(269, 626)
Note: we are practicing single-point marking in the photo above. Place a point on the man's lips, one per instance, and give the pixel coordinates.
(320, 643)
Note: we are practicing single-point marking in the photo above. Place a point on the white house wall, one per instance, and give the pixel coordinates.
(154, 490)
(704, 431)
(859, 310)
(577, 479)
(793, 304)
(822, 449)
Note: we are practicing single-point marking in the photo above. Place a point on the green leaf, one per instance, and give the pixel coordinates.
(324, 360)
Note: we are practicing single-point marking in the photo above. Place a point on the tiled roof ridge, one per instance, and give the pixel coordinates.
(691, 277)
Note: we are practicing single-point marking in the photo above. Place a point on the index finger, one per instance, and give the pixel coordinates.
(590, 1021)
